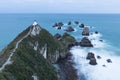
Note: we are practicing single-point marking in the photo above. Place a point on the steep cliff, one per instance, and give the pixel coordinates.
(31, 54)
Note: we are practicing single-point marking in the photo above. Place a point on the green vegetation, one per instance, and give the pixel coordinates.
(67, 39)
(27, 62)
(4, 54)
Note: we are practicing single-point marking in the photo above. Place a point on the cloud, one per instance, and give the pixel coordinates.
(60, 6)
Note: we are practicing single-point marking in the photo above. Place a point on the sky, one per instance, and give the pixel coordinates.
(59, 6)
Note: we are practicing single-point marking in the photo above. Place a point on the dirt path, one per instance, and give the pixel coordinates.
(17, 44)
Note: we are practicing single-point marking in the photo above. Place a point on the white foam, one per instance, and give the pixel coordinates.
(75, 30)
(98, 72)
(95, 40)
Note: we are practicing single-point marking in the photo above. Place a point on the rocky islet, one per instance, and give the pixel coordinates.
(85, 42)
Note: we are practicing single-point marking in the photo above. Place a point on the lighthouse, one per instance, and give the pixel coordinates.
(35, 23)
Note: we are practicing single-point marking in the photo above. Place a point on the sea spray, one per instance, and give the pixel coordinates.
(103, 70)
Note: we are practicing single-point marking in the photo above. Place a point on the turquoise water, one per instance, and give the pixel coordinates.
(106, 24)
(12, 24)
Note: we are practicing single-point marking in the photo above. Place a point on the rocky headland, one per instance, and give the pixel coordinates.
(35, 54)
(32, 54)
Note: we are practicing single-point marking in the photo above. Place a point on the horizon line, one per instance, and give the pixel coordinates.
(52, 13)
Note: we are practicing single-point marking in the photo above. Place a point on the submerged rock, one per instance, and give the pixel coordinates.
(99, 57)
(85, 42)
(109, 60)
(85, 31)
(104, 65)
(58, 25)
(82, 26)
(76, 22)
(101, 40)
(69, 23)
(55, 25)
(96, 32)
(69, 29)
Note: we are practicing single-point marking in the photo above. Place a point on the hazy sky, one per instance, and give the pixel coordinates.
(59, 6)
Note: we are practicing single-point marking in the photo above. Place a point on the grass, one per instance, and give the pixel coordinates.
(28, 62)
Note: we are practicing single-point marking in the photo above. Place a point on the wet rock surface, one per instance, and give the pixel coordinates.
(85, 42)
(96, 32)
(67, 71)
(69, 23)
(76, 22)
(109, 60)
(98, 57)
(58, 25)
(85, 31)
(82, 26)
(90, 55)
(70, 29)
(92, 59)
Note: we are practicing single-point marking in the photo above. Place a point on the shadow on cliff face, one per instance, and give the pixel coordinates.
(66, 70)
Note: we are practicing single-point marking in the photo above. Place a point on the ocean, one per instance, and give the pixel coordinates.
(106, 24)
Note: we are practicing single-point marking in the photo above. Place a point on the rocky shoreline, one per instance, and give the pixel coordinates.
(36, 51)
(66, 64)
(66, 71)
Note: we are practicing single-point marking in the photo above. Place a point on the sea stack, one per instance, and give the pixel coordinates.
(70, 29)
(85, 42)
(92, 59)
(82, 26)
(85, 31)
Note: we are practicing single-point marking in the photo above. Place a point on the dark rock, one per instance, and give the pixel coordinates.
(93, 61)
(57, 36)
(91, 33)
(90, 55)
(101, 40)
(109, 60)
(70, 46)
(104, 65)
(85, 31)
(99, 57)
(82, 26)
(85, 42)
(69, 23)
(96, 32)
(66, 69)
(76, 22)
(76, 43)
(55, 25)
(60, 24)
(69, 56)
(69, 29)
(59, 27)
